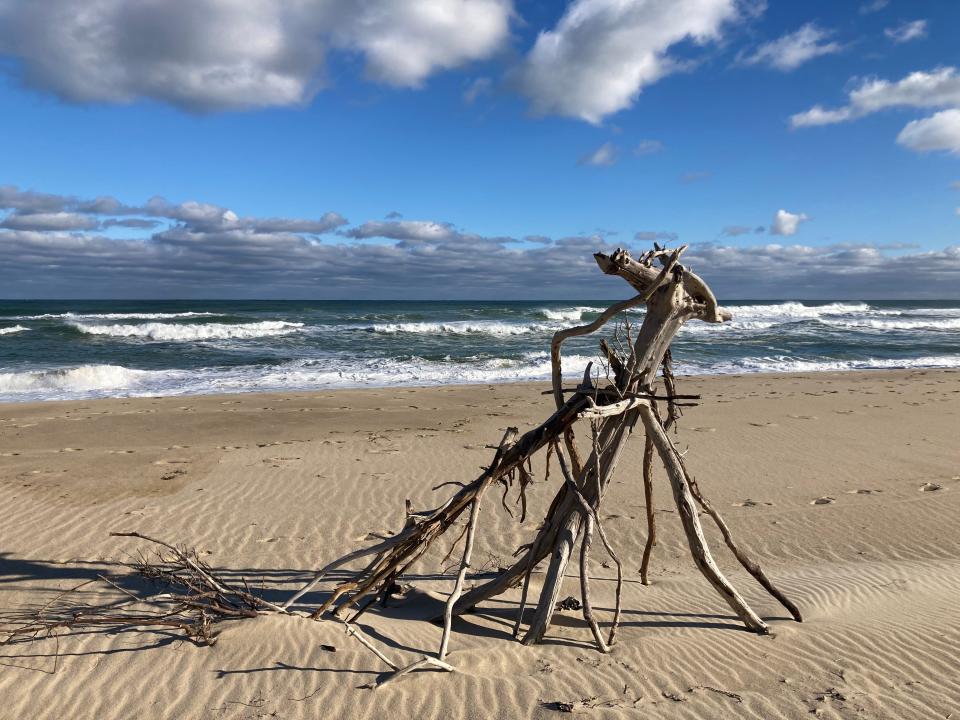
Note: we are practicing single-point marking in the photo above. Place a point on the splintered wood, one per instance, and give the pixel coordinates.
(610, 408)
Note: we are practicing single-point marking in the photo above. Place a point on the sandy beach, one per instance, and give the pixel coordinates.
(846, 486)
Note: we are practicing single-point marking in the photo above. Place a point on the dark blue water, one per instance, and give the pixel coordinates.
(73, 349)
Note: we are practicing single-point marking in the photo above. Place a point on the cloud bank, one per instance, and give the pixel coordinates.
(202, 250)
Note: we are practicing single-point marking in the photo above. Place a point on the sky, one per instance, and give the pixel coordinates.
(477, 149)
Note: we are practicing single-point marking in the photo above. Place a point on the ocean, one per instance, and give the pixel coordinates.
(85, 349)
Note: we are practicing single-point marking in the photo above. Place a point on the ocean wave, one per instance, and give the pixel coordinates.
(115, 316)
(172, 332)
(72, 382)
(118, 381)
(575, 313)
(12, 330)
(88, 381)
(796, 310)
(461, 327)
(784, 363)
(871, 324)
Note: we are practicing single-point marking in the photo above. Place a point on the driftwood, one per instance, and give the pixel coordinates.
(672, 295)
(612, 407)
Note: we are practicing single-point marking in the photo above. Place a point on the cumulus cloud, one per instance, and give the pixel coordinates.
(602, 53)
(794, 49)
(936, 88)
(940, 131)
(786, 223)
(604, 155)
(205, 55)
(907, 31)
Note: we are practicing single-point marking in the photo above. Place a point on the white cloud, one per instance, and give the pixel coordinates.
(49, 221)
(793, 50)
(602, 53)
(873, 6)
(477, 88)
(603, 156)
(235, 54)
(786, 223)
(648, 147)
(214, 254)
(907, 31)
(940, 131)
(937, 88)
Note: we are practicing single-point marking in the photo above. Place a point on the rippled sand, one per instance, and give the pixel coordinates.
(846, 486)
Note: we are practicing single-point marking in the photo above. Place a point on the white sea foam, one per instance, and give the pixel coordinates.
(795, 310)
(72, 382)
(575, 313)
(116, 381)
(918, 324)
(462, 327)
(115, 316)
(784, 363)
(173, 332)
(12, 330)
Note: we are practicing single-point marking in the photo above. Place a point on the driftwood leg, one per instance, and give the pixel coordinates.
(566, 539)
(458, 585)
(691, 524)
(749, 563)
(585, 583)
(651, 519)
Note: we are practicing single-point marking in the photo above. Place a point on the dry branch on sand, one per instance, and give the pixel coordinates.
(612, 407)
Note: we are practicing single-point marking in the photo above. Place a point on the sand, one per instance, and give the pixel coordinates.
(845, 486)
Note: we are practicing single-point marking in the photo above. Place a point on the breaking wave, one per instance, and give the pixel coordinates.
(72, 382)
(172, 332)
(462, 327)
(12, 330)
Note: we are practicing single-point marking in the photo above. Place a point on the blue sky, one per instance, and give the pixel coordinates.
(465, 130)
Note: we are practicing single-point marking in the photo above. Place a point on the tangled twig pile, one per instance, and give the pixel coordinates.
(612, 407)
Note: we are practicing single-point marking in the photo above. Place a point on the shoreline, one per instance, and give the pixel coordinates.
(544, 383)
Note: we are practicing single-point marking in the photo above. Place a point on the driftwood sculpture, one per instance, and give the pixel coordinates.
(611, 407)
(672, 296)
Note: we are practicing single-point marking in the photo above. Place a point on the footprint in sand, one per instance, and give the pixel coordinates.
(751, 503)
(825, 500)
(70, 449)
(764, 424)
(120, 452)
(704, 429)
(845, 412)
(930, 487)
(804, 417)
(863, 491)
